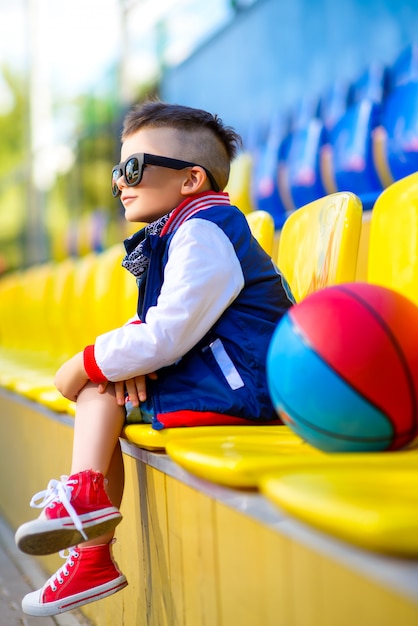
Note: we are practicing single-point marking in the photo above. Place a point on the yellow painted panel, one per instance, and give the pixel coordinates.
(129, 607)
(175, 542)
(254, 580)
(141, 552)
(347, 598)
(273, 580)
(33, 449)
(182, 550)
(191, 530)
(129, 552)
(278, 607)
(155, 538)
(307, 588)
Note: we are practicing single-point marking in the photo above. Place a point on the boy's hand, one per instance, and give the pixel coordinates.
(71, 377)
(134, 387)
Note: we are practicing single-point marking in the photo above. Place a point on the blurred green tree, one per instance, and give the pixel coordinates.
(13, 165)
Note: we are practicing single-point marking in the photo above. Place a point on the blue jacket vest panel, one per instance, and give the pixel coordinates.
(225, 372)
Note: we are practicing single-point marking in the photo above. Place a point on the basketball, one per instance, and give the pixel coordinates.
(342, 369)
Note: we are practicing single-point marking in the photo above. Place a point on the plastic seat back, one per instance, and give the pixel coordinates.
(393, 245)
(303, 163)
(352, 161)
(319, 243)
(62, 302)
(333, 104)
(80, 318)
(12, 310)
(261, 224)
(404, 68)
(240, 181)
(106, 294)
(269, 159)
(37, 285)
(372, 85)
(400, 122)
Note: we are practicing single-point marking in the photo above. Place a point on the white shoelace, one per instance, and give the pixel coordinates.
(59, 491)
(69, 555)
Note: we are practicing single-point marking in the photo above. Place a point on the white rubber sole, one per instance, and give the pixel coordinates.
(31, 604)
(42, 536)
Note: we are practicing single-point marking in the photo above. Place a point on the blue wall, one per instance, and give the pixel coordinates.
(276, 52)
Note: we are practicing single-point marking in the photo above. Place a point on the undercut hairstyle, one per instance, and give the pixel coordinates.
(201, 137)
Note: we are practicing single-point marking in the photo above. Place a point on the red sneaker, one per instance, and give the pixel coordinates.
(76, 509)
(89, 574)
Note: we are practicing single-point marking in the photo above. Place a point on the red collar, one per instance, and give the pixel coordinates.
(192, 205)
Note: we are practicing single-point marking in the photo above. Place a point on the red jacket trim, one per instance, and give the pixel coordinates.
(192, 205)
(208, 418)
(93, 371)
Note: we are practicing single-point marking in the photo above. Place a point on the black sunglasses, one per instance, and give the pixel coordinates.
(133, 168)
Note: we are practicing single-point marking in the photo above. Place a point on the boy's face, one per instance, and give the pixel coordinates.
(161, 189)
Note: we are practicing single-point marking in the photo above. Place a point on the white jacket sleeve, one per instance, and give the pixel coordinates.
(202, 277)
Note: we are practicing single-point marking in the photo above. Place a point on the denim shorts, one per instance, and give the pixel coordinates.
(141, 414)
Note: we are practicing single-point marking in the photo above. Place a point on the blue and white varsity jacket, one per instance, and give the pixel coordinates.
(207, 309)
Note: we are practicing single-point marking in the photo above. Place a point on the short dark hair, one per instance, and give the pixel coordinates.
(203, 137)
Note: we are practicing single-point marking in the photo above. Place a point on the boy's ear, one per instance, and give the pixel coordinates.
(196, 181)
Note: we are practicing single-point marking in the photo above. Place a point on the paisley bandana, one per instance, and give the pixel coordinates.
(136, 261)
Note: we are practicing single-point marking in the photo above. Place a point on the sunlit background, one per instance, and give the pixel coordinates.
(70, 70)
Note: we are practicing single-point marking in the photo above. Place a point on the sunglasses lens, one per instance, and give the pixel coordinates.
(132, 172)
(116, 174)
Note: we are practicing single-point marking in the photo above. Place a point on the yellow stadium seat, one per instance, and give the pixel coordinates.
(374, 506)
(129, 296)
(58, 344)
(261, 224)
(244, 456)
(239, 184)
(393, 245)
(61, 344)
(37, 284)
(25, 359)
(108, 290)
(81, 316)
(238, 458)
(145, 436)
(11, 304)
(319, 243)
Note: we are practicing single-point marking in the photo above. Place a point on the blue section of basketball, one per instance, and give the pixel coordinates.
(316, 402)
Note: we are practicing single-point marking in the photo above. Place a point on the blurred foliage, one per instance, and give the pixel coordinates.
(13, 168)
(13, 128)
(78, 212)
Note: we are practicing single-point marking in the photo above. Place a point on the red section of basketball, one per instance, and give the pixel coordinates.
(369, 335)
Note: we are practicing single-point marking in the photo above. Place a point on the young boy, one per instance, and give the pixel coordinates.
(209, 301)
